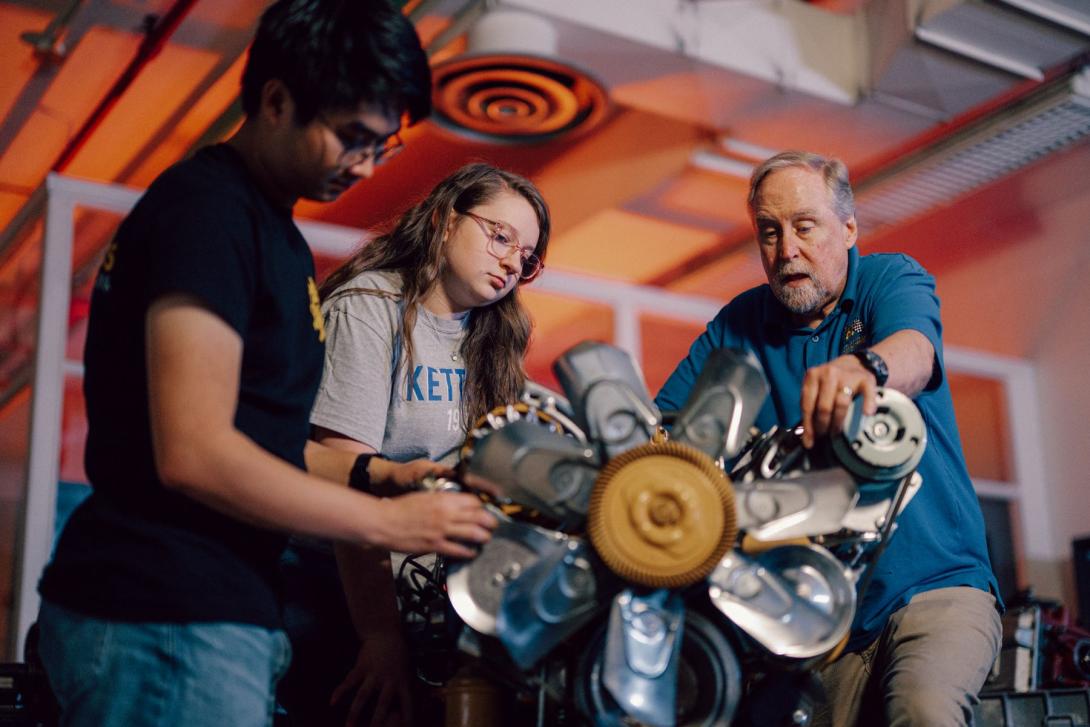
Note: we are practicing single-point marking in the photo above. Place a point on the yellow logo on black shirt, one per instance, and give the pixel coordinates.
(110, 259)
(102, 281)
(316, 309)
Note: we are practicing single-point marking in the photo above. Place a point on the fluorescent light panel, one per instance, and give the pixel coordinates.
(728, 166)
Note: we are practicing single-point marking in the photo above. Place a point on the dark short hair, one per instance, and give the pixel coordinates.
(832, 170)
(337, 54)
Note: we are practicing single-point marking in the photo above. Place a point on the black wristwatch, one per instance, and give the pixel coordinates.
(873, 362)
(359, 478)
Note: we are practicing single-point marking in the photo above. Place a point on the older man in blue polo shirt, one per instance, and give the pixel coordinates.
(832, 324)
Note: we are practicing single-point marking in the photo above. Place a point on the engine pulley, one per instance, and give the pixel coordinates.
(662, 515)
(886, 445)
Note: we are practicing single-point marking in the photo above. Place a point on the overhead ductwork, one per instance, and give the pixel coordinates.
(931, 57)
(510, 87)
(787, 42)
(934, 59)
(1055, 117)
(992, 35)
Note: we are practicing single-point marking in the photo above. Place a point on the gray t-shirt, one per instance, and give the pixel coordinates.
(406, 416)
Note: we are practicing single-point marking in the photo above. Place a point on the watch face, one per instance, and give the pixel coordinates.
(874, 363)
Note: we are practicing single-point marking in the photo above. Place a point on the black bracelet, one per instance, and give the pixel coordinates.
(359, 479)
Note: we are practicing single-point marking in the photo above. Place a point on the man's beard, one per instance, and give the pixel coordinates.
(799, 300)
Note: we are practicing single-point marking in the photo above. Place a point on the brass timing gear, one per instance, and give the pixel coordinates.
(662, 515)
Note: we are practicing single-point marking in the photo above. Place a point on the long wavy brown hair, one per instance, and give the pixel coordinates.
(497, 334)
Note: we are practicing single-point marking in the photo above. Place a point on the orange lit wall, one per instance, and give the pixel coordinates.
(1012, 264)
(981, 409)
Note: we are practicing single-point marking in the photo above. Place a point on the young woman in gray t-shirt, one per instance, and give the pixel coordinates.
(425, 334)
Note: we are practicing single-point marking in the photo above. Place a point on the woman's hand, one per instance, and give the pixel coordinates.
(401, 476)
(380, 678)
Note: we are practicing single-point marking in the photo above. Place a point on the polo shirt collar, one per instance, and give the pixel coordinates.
(851, 287)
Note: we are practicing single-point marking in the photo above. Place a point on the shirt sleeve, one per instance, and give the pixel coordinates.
(905, 299)
(354, 396)
(205, 246)
(674, 393)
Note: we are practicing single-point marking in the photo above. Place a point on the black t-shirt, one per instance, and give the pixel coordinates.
(134, 550)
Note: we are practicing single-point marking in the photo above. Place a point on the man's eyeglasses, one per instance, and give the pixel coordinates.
(502, 241)
(366, 146)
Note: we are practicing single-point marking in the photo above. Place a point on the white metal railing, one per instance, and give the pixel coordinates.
(34, 538)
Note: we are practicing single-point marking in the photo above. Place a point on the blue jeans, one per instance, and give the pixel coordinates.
(130, 674)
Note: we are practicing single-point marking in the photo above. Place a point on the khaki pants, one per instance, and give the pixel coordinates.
(925, 669)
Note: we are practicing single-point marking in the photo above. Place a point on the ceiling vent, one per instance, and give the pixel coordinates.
(1055, 117)
(496, 93)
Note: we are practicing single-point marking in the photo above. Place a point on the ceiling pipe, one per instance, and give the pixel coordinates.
(47, 43)
(156, 34)
(460, 22)
(422, 8)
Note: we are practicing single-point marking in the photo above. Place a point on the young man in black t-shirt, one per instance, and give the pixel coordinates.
(203, 356)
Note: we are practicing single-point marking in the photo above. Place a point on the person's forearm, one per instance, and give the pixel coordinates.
(365, 571)
(328, 463)
(368, 588)
(333, 458)
(194, 360)
(231, 473)
(910, 357)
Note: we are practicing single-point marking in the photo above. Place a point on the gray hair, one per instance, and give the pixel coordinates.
(832, 170)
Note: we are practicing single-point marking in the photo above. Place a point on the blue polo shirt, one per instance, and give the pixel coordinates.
(940, 537)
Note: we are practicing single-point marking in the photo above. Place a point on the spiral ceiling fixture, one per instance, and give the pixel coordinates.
(509, 86)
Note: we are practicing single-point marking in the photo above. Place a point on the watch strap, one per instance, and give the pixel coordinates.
(873, 362)
(359, 478)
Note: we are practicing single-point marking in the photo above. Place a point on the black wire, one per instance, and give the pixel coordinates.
(887, 534)
(420, 591)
